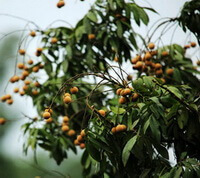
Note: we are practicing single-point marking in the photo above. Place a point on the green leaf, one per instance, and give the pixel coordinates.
(175, 91)
(182, 119)
(119, 29)
(92, 16)
(79, 33)
(117, 110)
(127, 149)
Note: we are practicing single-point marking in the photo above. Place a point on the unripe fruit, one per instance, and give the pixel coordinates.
(30, 62)
(102, 112)
(2, 121)
(76, 142)
(165, 53)
(37, 84)
(16, 90)
(113, 130)
(67, 100)
(193, 44)
(119, 91)
(159, 72)
(35, 69)
(74, 90)
(20, 66)
(32, 33)
(22, 93)
(50, 120)
(65, 128)
(82, 145)
(27, 82)
(169, 71)
(46, 115)
(151, 46)
(122, 100)
(22, 51)
(54, 40)
(80, 138)
(91, 36)
(119, 128)
(147, 56)
(25, 73)
(127, 91)
(60, 4)
(35, 92)
(158, 66)
(65, 119)
(10, 101)
(135, 96)
(71, 133)
(82, 133)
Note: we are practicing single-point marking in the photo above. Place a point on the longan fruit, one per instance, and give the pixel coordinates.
(147, 56)
(119, 91)
(153, 53)
(32, 33)
(187, 46)
(129, 77)
(159, 72)
(136, 59)
(30, 62)
(139, 65)
(113, 130)
(25, 67)
(91, 36)
(76, 142)
(163, 80)
(16, 90)
(71, 133)
(74, 90)
(22, 93)
(102, 112)
(20, 65)
(82, 133)
(135, 96)
(9, 101)
(116, 59)
(25, 73)
(35, 69)
(27, 82)
(67, 100)
(60, 4)
(39, 50)
(119, 128)
(170, 71)
(50, 120)
(165, 53)
(82, 145)
(37, 84)
(67, 94)
(54, 40)
(2, 121)
(49, 110)
(65, 128)
(22, 77)
(3, 98)
(65, 119)
(127, 91)
(41, 66)
(158, 66)
(25, 87)
(151, 45)
(80, 138)
(124, 127)
(8, 96)
(22, 51)
(193, 44)
(122, 100)
(46, 115)
(148, 63)
(35, 92)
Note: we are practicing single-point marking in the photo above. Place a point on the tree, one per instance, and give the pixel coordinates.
(87, 99)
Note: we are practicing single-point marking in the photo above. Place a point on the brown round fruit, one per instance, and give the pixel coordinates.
(119, 128)
(159, 72)
(32, 33)
(102, 113)
(147, 56)
(25, 73)
(60, 4)
(27, 82)
(8, 96)
(3, 98)
(165, 53)
(129, 77)
(76, 142)
(49, 110)
(151, 45)
(30, 62)
(135, 96)
(35, 69)
(122, 100)
(50, 120)
(170, 71)
(119, 91)
(65, 119)
(80, 138)
(67, 94)
(71, 133)
(35, 92)
(54, 40)
(82, 133)
(67, 100)
(9, 101)
(82, 145)
(74, 90)
(158, 66)
(91, 36)
(124, 127)
(25, 87)
(113, 130)
(2, 121)
(46, 115)
(22, 51)
(65, 128)
(127, 91)
(16, 90)
(20, 66)
(37, 84)
(139, 65)
(193, 44)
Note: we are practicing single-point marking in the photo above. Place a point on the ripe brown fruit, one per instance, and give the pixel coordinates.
(41, 66)
(124, 127)
(74, 90)
(122, 100)
(139, 65)
(67, 94)
(135, 59)
(71, 133)
(91, 36)
(32, 33)
(148, 63)
(25, 73)
(65, 119)
(46, 115)
(193, 44)
(153, 53)
(165, 53)
(50, 120)
(35, 92)
(82, 133)
(65, 128)
(129, 77)
(198, 62)
(14, 79)
(170, 71)
(16, 90)
(119, 91)
(82, 145)
(147, 56)
(8, 96)
(27, 82)
(119, 128)
(39, 50)
(113, 130)
(187, 46)
(2, 121)
(127, 91)
(9, 101)
(25, 87)
(76, 142)
(3, 98)
(37, 84)
(54, 40)
(116, 59)
(22, 93)
(67, 100)
(159, 72)
(102, 113)
(22, 51)
(158, 66)
(49, 110)
(135, 96)
(80, 138)
(60, 4)
(20, 66)
(151, 45)
(30, 62)
(35, 69)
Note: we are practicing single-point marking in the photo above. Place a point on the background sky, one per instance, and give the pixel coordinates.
(43, 13)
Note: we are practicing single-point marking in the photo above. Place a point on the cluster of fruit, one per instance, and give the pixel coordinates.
(127, 95)
(118, 128)
(65, 127)
(67, 96)
(7, 98)
(80, 140)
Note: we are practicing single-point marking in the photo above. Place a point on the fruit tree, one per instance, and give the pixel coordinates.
(86, 98)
